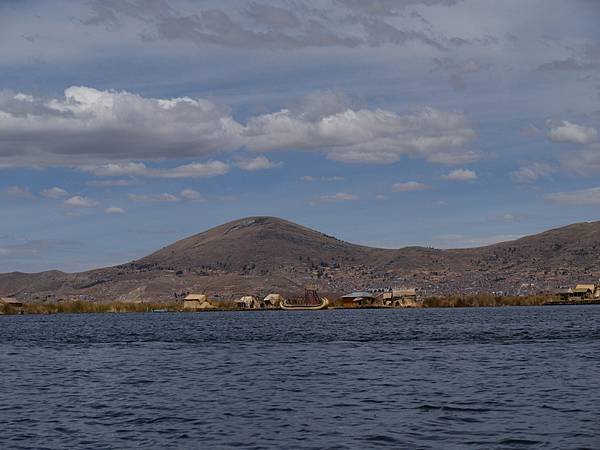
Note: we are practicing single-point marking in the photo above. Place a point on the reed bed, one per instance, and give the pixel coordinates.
(82, 307)
(485, 300)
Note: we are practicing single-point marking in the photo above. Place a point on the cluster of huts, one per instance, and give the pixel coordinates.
(580, 292)
(382, 298)
(201, 301)
(374, 298)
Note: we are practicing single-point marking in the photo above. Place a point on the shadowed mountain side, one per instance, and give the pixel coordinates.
(262, 254)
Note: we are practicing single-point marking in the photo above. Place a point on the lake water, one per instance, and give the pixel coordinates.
(433, 378)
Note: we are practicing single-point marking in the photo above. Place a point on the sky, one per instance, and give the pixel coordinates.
(126, 125)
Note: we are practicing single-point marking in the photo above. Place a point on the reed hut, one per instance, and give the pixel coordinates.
(11, 302)
(272, 301)
(247, 302)
(196, 301)
(359, 298)
(584, 291)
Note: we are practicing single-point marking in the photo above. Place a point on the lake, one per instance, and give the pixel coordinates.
(413, 378)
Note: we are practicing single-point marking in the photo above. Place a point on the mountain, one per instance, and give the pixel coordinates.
(263, 254)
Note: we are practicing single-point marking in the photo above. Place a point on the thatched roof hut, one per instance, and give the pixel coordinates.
(247, 301)
(272, 300)
(11, 301)
(196, 301)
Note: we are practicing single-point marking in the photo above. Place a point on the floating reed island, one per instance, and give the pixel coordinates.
(373, 299)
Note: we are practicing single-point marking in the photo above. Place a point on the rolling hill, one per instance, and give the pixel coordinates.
(262, 254)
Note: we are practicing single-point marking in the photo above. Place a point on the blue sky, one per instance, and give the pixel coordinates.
(126, 125)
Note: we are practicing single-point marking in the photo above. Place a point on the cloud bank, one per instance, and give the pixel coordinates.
(104, 132)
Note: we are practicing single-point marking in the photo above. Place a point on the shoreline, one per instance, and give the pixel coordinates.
(82, 307)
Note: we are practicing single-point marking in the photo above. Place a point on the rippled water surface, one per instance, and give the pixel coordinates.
(450, 379)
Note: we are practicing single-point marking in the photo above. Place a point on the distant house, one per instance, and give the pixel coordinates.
(565, 294)
(584, 291)
(404, 296)
(196, 301)
(11, 302)
(404, 293)
(247, 302)
(579, 292)
(271, 301)
(358, 298)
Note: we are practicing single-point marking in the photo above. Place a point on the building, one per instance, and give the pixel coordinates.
(11, 302)
(565, 294)
(194, 302)
(247, 302)
(404, 297)
(579, 292)
(359, 298)
(585, 291)
(404, 293)
(271, 301)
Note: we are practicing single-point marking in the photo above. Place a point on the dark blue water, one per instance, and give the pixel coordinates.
(449, 379)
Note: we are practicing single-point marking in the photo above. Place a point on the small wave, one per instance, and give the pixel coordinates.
(381, 438)
(428, 407)
(518, 441)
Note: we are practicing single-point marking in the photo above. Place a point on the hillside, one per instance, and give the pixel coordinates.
(261, 254)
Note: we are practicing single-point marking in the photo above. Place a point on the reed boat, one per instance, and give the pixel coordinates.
(310, 301)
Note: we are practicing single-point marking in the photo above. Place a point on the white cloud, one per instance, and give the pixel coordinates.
(153, 198)
(54, 192)
(366, 136)
(18, 191)
(532, 171)
(192, 195)
(460, 175)
(114, 210)
(89, 126)
(192, 170)
(589, 196)
(570, 132)
(307, 178)
(409, 186)
(104, 131)
(79, 201)
(339, 197)
(334, 178)
(259, 163)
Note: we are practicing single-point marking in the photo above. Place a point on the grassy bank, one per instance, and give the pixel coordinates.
(80, 307)
(484, 300)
